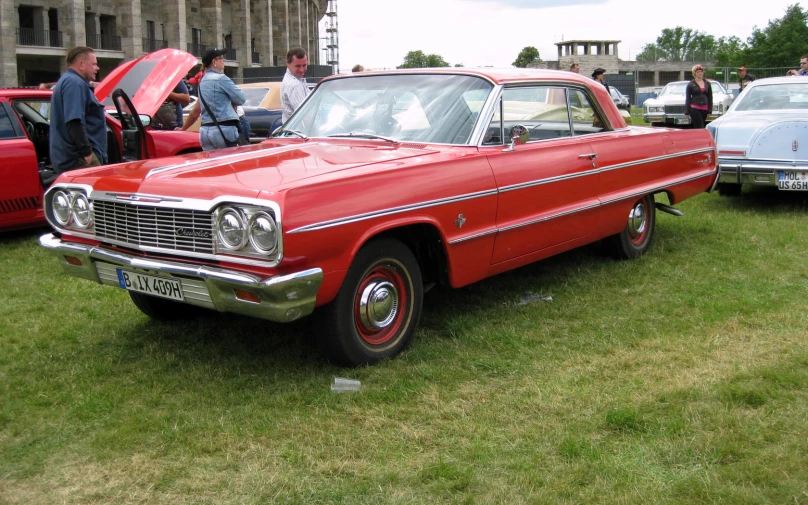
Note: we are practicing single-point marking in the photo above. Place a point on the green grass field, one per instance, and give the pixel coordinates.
(678, 378)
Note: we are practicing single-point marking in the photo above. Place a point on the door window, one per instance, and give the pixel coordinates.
(540, 109)
(585, 119)
(7, 130)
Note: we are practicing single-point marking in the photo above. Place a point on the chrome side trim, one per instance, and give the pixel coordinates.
(552, 216)
(394, 210)
(472, 237)
(469, 196)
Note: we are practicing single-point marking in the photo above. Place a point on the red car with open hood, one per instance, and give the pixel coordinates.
(143, 84)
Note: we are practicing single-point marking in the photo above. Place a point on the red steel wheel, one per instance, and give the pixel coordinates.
(635, 239)
(377, 309)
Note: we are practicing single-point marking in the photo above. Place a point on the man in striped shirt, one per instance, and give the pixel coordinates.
(293, 88)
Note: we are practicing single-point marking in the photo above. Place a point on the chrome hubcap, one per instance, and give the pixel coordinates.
(378, 305)
(636, 220)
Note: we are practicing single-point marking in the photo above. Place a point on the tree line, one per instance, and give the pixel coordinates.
(780, 44)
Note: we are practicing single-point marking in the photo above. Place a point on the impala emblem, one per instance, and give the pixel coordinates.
(190, 232)
(794, 145)
(460, 221)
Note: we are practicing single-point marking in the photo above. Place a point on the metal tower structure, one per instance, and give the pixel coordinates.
(332, 33)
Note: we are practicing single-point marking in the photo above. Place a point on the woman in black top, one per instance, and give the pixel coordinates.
(698, 98)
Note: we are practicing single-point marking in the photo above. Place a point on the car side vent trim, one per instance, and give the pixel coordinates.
(18, 204)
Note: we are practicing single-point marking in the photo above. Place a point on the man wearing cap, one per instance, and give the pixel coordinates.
(597, 74)
(745, 78)
(219, 96)
(294, 88)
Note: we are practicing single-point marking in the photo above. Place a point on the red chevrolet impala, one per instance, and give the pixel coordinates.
(24, 130)
(379, 184)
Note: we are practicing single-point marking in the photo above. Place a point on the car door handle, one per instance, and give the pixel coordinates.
(591, 156)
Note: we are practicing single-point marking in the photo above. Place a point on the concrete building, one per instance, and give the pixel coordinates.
(591, 54)
(35, 35)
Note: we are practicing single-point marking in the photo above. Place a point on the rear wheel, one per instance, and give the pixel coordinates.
(162, 309)
(377, 309)
(728, 189)
(635, 239)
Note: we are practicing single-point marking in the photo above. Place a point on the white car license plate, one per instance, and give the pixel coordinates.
(165, 287)
(683, 120)
(793, 181)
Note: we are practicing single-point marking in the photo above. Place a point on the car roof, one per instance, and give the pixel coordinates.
(791, 79)
(495, 75)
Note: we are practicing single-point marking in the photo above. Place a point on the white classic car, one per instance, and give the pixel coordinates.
(668, 108)
(763, 137)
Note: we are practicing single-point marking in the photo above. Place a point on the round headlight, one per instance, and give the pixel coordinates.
(231, 228)
(263, 232)
(81, 211)
(61, 208)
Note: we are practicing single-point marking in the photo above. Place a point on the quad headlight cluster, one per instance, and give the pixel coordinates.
(70, 208)
(246, 229)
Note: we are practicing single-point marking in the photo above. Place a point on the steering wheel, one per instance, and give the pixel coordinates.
(29, 127)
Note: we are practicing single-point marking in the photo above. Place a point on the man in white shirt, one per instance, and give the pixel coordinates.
(293, 88)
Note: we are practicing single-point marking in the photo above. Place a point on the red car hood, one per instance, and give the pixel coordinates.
(147, 80)
(244, 172)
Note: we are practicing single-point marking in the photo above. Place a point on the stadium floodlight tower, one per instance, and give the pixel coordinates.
(332, 31)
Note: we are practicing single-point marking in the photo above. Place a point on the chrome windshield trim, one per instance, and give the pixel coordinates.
(393, 210)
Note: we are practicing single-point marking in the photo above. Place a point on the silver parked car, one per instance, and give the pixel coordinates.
(619, 98)
(763, 137)
(668, 108)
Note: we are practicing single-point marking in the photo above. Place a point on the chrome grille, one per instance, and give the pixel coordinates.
(674, 109)
(177, 229)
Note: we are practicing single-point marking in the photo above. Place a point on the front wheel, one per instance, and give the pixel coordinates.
(377, 309)
(635, 239)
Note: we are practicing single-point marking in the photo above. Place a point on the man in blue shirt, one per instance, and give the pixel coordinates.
(78, 134)
(219, 97)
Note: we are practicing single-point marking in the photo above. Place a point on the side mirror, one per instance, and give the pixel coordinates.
(519, 135)
(145, 119)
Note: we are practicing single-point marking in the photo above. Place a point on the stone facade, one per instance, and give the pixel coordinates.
(35, 35)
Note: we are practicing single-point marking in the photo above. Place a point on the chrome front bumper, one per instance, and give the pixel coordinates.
(761, 173)
(283, 298)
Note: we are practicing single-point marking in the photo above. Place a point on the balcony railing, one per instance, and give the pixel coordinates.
(106, 42)
(31, 37)
(196, 49)
(256, 57)
(151, 45)
(230, 54)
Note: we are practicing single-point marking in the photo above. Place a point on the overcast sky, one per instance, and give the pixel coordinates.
(379, 33)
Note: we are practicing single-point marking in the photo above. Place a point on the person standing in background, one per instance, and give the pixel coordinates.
(294, 89)
(575, 68)
(744, 78)
(78, 134)
(698, 98)
(219, 96)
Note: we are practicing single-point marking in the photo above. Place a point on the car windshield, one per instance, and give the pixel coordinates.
(420, 108)
(678, 88)
(787, 96)
(254, 96)
(615, 94)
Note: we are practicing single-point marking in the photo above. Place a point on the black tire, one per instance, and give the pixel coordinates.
(162, 309)
(636, 237)
(729, 189)
(386, 273)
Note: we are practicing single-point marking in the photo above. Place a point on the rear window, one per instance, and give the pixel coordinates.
(254, 96)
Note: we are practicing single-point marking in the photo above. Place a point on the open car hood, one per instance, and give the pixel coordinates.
(147, 80)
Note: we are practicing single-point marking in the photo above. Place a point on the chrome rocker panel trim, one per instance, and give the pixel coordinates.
(284, 298)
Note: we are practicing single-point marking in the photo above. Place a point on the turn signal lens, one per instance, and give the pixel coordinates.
(61, 208)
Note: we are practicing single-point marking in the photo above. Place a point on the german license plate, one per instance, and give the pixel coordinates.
(793, 180)
(164, 287)
(683, 120)
(654, 119)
